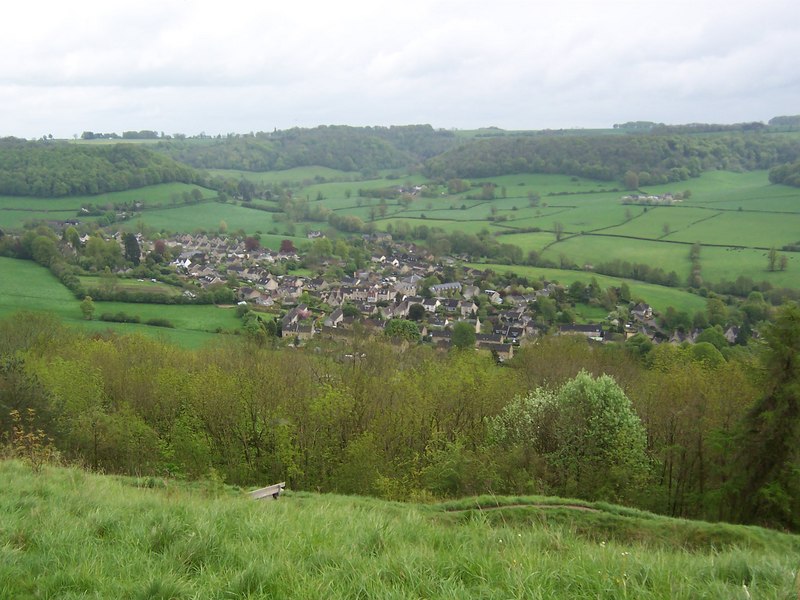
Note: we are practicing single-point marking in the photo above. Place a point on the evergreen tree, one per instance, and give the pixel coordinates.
(769, 457)
(132, 251)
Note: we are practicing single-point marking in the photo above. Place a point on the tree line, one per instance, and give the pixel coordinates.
(48, 168)
(787, 174)
(654, 158)
(54, 169)
(364, 149)
(670, 431)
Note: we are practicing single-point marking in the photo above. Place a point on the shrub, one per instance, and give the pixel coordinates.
(160, 322)
(30, 444)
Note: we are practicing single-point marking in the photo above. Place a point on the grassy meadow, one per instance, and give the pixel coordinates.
(92, 282)
(207, 217)
(658, 296)
(729, 263)
(11, 218)
(16, 211)
(737, 216)
(193, 317)
(68, 534)
(30, 287)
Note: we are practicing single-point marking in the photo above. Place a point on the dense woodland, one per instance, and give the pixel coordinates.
(670, 429)
(654, 158)
(366, 149)
(787, 174)
(640, 156)
(50, 169)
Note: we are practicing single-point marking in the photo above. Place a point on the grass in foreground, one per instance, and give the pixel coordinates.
(68, 534)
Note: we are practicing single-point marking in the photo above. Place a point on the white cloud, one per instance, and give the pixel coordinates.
(240, 66)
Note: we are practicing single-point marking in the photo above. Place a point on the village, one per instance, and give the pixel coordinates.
(399, 281)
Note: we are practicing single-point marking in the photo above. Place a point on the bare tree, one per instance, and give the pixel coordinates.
(558, 229)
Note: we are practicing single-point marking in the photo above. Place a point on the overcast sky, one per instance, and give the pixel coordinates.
(235, 66)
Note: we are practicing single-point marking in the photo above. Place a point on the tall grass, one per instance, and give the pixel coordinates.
(68, 534)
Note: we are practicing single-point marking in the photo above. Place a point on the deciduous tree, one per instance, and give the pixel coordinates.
(558, 229)
(87, 308)
(463, 336)
(402, 329)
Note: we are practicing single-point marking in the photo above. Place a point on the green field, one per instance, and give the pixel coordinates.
(203, 317)
(207, 217)
(702, 218)
(750, 190)
(677, 222)
(769, 217)
(729, 263)
(185, 338)
(446, 225)
(15, 211)
(725, 210)
(755, 230)
(16, 219)
(90, 283)
(593, 249)
(658, 296)
(43, 205)
(28, 286)
(65, 533)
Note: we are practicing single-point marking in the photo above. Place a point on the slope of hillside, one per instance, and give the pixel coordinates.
(337, 147)
(652, 159)
(68, 534)
(57, 169)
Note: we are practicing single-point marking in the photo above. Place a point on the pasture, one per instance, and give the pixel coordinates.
(725, 210)
(658, 296)
(753, 230)
(15, 211)
(727, 190)
(192, 317)
(17, 218)
(735, 241)
(208, 216)
(595, 249)
(447, 225)
(30, 287)
(736, 216)
(729, 263)
(663, 222)
(90, 283)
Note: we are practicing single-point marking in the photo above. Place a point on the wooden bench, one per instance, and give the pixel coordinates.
(265, 492)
